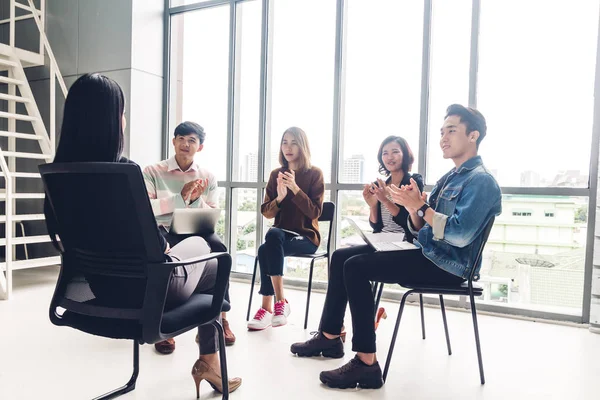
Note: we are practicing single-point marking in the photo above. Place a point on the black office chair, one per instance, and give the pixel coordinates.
(327, 215)
(109, 239)
(465, 289)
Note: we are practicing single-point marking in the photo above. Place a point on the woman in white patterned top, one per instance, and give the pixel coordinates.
(395, 162)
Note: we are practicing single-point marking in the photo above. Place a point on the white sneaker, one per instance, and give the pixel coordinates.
(262, 320)
(282, 310)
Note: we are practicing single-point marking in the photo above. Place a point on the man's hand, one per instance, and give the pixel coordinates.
(192, 190)
(199, 189)
(408, 196)
(281, 190)
(289, 180)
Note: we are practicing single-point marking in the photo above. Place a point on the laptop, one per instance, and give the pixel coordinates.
(194, 221)
(383, 241)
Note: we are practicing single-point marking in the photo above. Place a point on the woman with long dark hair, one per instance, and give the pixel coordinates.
(294, 197)
(395, 162)
(92, 131)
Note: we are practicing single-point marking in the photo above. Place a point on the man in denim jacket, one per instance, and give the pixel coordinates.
(449, 230)
(462, 202)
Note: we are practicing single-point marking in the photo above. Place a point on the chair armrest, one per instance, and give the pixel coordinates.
(159, 276)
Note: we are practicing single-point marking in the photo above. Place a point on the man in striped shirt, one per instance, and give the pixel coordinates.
(179, 182)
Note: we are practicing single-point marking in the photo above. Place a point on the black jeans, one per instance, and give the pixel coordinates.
(214, 241)
(279, 244)
(352, 270)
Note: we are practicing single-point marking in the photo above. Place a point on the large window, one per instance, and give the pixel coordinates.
(528, 65)
(302, 77)
(449, 75)
(200, 80)
(383, 85)
(246, 111)
(536, 88)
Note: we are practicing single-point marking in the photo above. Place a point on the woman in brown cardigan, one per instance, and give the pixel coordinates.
(294, 197)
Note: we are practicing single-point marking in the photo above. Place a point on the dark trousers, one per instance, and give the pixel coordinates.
(279, 244)
(351, 272)
(214, 241)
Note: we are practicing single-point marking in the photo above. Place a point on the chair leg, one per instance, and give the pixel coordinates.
(129, 386)
(393, 343)
(222, 359)
(310, 276)
(252, 289)
(445, 324)
(477, 342)
(422, 315)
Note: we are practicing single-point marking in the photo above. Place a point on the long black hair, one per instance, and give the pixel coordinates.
(92, 127)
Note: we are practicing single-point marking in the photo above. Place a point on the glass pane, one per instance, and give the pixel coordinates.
(243, 231)
(383, 70)
(449, 75)
(536, 89)
(535, 256)
(245, 159)
(199, 80)
(302, 80)
(352, 205)
(220, 229)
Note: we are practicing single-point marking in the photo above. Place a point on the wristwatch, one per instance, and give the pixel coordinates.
(421, 211)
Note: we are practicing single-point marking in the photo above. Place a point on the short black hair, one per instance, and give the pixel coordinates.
(472, 118)
(187, 127)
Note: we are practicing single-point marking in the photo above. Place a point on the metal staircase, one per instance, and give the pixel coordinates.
(18, 108)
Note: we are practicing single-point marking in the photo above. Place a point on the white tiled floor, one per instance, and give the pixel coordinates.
(523, 360)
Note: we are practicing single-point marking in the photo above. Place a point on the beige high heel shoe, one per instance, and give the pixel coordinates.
(201, 370)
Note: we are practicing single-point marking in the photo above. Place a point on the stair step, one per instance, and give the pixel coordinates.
(24, 217)
(25, 175)
(36, 156)
(4, 79)
(17, 135)
(20, 99)
(27, 240)
(8, 63)
(32, 263)
(24, 196)
(20, 117)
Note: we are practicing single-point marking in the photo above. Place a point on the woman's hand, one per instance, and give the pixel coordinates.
(281, 190)
(369, 195)
(380, 191)
(289, 180)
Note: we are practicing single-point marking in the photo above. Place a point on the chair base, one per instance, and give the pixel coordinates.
(129, 386)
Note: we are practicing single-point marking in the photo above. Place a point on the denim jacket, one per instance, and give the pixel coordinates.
(464, 200)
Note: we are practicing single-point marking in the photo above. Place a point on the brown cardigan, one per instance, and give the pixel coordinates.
(300, 212)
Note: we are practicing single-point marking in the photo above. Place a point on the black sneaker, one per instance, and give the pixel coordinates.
(319, 344)
(354, 373)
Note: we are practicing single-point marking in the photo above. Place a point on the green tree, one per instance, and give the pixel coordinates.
(581, 214)
(247, 206)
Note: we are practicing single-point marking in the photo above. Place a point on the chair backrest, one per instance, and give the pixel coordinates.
(108, 232)
(327, 215)
(102, 211)
(485, 235)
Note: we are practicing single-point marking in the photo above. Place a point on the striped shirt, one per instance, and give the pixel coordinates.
(164, 182)
(389, 225)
